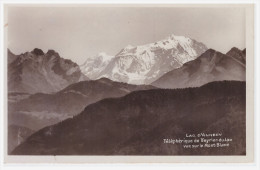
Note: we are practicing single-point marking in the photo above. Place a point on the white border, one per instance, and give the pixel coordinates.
(248, 166)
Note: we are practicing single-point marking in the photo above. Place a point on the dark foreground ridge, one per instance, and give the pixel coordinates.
(137, 123)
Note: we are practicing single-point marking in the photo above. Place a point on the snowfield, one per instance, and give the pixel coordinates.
(146, 63)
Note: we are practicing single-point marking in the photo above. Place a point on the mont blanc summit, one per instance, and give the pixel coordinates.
(145, 63)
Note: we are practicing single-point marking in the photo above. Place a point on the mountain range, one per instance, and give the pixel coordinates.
(39, 110)
(210, 66)
(28, 113)
(125, 104)
(36, 71)
(137, 123)
(238, 55)
(145, 63)
(175, 62)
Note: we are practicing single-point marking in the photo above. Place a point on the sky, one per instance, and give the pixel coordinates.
(77, 33)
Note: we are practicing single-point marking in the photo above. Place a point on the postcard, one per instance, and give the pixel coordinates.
(129, 83)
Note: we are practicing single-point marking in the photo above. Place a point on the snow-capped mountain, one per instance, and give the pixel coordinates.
(93, 66)
(36, 71)
(144, 64)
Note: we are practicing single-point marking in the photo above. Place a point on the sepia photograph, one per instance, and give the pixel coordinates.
(129, 80)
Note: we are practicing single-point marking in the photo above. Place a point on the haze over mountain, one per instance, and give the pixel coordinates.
(36, 71)
(39, 110)
(144, 64)
(210, 66)
(137, 123)
(238, 54)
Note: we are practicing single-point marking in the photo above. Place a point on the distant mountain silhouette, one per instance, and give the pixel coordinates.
(35, 71)
(40, 110)
(210, 66)
(137, 123)
(238, 54)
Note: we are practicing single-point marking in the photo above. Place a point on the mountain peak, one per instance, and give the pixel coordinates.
(41, 72)
(38, 51)
(105, 56)
(210, 51)
(209, 66)
(210, 54)
(52, 52)
(173, 36)
(145, 63)
(234, 49)
(178, 38)
(129, 47)
(239, 55)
